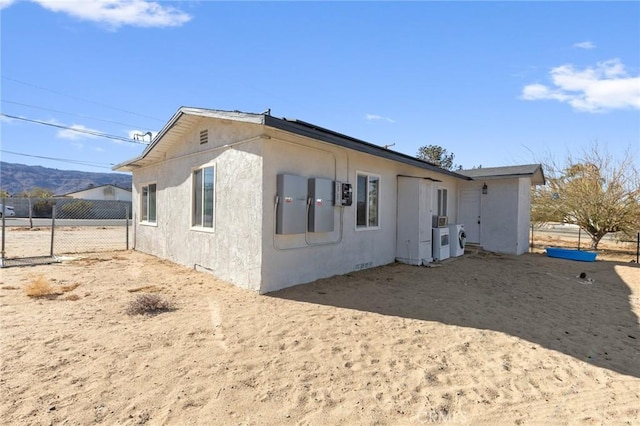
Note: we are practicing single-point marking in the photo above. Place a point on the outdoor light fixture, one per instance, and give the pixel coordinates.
(484, 188)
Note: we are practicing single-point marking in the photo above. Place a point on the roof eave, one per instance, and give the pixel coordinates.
(314, 132)
(130, 165)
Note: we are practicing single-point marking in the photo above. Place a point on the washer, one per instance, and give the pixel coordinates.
(458, 240)
(441, 249)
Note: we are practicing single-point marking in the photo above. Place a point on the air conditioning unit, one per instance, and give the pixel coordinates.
(440, 221)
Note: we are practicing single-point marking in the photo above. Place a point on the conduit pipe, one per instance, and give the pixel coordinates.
(306, 231)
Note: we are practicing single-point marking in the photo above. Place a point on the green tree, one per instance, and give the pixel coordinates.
(437, 155)
(595, 192)
(37, 192)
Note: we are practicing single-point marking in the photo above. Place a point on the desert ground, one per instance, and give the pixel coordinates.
(481, 339)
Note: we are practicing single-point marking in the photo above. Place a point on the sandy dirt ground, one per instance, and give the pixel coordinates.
(482, 339)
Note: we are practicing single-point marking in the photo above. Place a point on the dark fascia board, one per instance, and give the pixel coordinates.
(311, 131)
(185, 110)
(527, 170)
(315, 132)
(421, 177)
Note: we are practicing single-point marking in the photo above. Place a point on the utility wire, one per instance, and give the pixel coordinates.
(64, 160)
(86, 131)
(80, 99)
(69, 113)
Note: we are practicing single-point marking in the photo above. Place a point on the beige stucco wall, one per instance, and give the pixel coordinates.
(505, 213)
(232, 251)
(524, 215)
(243, 248)
(290, 259)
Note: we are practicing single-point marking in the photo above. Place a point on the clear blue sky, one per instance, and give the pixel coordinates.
(495, 83)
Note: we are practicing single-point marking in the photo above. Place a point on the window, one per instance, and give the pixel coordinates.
(442, 202)
(203, 186)
(368, 198)
(148, 207)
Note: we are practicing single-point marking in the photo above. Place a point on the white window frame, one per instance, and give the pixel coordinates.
(367, 227)
(143, 220)
(442, 195)
(201, 227)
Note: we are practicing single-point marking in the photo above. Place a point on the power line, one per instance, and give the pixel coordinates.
(79, 98)
(86, 131)
(63, 160)
(69, 113)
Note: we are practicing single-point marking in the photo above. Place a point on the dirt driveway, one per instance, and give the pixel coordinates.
(483, 339)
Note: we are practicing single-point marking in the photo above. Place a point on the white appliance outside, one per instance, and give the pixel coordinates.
(441, 249)
(458, 239)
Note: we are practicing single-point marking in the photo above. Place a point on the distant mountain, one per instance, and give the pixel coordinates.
(15, 178)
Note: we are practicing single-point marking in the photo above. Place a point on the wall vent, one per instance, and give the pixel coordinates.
(204, 136)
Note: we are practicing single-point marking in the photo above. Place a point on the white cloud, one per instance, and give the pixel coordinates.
(5, 3)
(115, 13)
(73, 135)
(585, 45)
(605, 87)
(375, 117)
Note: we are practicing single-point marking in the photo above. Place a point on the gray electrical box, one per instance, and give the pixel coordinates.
(343, 194)
(321, 207)
(291, 214)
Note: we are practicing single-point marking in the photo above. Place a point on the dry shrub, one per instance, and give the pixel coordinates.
(68, 288)
(72, 297)
(9, 287)
(149, 304)
(41, 287)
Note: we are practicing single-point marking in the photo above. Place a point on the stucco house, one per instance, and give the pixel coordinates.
(267, 203)
(101, 192)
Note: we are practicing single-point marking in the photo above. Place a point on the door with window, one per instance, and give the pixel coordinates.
(469, 214)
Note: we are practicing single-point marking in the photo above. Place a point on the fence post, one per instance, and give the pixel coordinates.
(4, 203)
(126, 213)
(134, 230)
(53, 225)
(579, 235)
(637, 246)
(531, 244)
(30, 213)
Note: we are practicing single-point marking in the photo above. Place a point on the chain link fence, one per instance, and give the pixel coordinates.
(544, 235)
(43, 230)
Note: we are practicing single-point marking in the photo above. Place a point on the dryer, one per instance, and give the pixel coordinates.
(441, 249)
(458, 240)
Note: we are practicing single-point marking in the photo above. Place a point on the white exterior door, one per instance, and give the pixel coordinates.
(469, 214)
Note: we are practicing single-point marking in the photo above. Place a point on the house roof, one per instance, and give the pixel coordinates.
(183, 120)
(94, 187)
(527, 170)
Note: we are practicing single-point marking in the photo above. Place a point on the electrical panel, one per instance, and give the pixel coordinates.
(320, 207)
(343, 194)
(291, 214)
